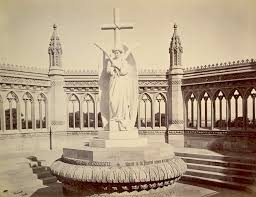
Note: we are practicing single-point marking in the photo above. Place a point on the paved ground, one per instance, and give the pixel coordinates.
(15, 174)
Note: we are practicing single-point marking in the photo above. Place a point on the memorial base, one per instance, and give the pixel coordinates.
(120, 167)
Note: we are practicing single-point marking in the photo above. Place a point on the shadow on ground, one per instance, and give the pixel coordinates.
(53, 190)
(216, 191)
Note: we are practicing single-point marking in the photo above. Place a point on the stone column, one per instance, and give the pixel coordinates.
(47, 123)
(185, 103)
(33, 115)
(192, 112)
(57, 101)
(145, 105)
(227, 113)
(220, 111)
(74, 116)
(40, 114)
(205, 111)
(212, 113)
(236, 105)
(138, 118)
(159, 110)
(198, 115)
(81, 115)
(10, 112)
(175, 107)
(153, 113)
(18, 115)
(88, 114)
(175, 99)
(245, 113)
(174, 95)
(26, 113)
(96, 114)
(253, 110)
(2, 116)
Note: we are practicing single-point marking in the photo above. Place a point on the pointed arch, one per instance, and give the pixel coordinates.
(219, 92)
(191, 110)
(188, 95)
(27, 111)
(205, 109)
(11, 110)
(145, 111)
(251, 107)
(234, 91)
(41, 111)
(236, 109)
(160, 110)
(88, 111)
(220, 109)
(74, 111)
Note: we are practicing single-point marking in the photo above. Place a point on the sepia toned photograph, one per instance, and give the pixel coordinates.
(127, 98)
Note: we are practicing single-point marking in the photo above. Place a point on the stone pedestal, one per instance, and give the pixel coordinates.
(119, 164)
(108, 139)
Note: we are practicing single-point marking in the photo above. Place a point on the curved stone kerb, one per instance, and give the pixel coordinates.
(114, 174)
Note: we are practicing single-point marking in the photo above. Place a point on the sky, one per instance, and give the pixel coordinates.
(211, 31)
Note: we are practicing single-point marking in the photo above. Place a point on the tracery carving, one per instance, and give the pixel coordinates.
(25, 81)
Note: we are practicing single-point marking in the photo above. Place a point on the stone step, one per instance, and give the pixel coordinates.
(214, 162)
(220, 169)
(44, 174)
(220, 176)
(39, 169)
(227, 158)
(214, 182)
(49, 180)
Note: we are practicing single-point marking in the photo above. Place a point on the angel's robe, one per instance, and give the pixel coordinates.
(119, 94)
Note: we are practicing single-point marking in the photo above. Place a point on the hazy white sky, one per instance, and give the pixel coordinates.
(211, 31)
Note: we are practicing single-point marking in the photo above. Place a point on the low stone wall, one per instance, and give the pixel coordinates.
(234, 141)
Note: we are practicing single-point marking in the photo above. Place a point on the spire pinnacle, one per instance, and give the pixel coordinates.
(55, 49)
(175, 26)
(175, 49)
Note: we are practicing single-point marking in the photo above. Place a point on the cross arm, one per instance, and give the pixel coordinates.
(108, 27)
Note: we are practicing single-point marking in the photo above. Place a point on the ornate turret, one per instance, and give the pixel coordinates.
(175, 49)
(175, 100)
(56, 74)
(55, 53)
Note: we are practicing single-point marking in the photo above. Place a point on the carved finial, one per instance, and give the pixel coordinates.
(175, 49)
(55, 49)
(175, 26)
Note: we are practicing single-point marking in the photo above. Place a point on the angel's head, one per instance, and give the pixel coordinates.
(117, 51)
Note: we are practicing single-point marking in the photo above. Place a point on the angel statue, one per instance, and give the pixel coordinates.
(118, 89)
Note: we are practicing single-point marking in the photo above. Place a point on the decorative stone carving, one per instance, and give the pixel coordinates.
(102, 173)
(25, 69)
(25, 81)
(93, 83)
(153, 83)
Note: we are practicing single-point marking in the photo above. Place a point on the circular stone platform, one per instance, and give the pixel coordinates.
(150, 170)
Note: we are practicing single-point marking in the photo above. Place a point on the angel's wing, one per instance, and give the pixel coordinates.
(104, 52)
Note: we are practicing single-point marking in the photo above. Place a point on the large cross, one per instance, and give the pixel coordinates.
(117, 27)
